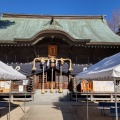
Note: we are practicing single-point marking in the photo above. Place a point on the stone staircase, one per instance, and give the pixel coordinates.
(48, 97)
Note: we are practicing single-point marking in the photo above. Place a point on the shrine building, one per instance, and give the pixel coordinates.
(84, 40)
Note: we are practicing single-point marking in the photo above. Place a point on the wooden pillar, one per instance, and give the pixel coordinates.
(34, 82)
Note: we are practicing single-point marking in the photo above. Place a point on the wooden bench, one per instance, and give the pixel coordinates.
(106, 106)
(113, 112)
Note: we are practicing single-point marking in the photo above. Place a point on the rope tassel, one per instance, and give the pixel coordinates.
(56, 63)
(48, 62)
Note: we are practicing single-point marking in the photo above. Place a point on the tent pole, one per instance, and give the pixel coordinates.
(9, 100)
(25, 97)
(115, 89)
(76, 89)
(87, 100)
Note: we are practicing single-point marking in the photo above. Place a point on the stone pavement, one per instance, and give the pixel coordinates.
(67, 110)
(54, 106)
(50, 106)
(50, 112)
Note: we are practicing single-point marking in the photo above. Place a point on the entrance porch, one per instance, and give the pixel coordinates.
(57, 83)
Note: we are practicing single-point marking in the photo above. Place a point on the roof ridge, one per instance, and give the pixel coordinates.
(55, 16)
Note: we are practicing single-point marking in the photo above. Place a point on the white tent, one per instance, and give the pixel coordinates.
(4, 75)
(8, 73)
(17, 75)
(108, 68)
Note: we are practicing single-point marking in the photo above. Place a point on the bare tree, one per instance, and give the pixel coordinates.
(114, 23)
(111, 25)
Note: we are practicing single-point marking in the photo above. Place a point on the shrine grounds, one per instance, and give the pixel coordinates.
(53, 111)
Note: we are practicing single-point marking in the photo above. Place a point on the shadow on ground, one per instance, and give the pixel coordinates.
(64, 110)
(4, 107)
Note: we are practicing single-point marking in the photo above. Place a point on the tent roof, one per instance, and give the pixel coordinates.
(13, 74)
(80, 28)
(4, 75)
(106, 68)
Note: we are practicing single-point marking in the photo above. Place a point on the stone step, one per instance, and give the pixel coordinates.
(48, 91)
(50, 97)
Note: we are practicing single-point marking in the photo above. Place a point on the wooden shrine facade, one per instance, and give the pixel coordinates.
(79, 53)
(83, 39)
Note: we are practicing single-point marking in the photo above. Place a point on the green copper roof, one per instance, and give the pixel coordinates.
(96, 30)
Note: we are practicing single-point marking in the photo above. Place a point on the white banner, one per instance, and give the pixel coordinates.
(20, 88)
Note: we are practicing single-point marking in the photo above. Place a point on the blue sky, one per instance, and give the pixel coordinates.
(60, 7)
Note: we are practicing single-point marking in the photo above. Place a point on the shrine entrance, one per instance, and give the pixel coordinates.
(52, 78)
(47, 80)
(56, 80)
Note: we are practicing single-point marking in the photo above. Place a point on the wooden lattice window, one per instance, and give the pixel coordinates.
(18, 82)
(41, 77)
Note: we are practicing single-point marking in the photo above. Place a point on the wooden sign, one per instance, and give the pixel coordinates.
(52, 50)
